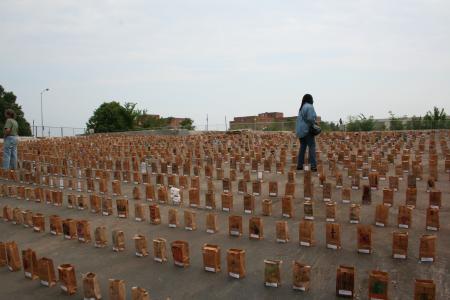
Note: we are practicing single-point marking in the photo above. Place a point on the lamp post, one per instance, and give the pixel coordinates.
(42, 113)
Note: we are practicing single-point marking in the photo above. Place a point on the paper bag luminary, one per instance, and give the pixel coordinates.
(301, 274)
(211, 258)
(100, 237)
(117, 289)
(330, 211)
(432, 219)
(255, 228)
(138, 293)
(272, 273)
(91, 287)
(364, 242)
(180, 253)
(381, 215)
(427, 249)
(249, 203)
(306, 233)
(118, 240)
(227, 202)
(345, 281)
(287, 207)
(69, 229)
(159, 250)
(83, 231)
(140, 244)
(308, 209)
(404, 217)
(282, 231)
(424, 289)
(12, 256)
(333, 235)
(107, 206)
(378, 285)
(46, 272)
(30, 264)
(210, 200)
(122, 208)
(211, 223)
(155, 216)
(67, 278)
(273, 188)
(236, 263)
(235, 225)
(190, 222)
(399, 245)
(346, 194)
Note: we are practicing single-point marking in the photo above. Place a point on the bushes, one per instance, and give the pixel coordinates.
(360, 123)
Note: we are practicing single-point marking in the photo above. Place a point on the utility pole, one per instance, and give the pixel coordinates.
(42, 112)
(207, 122)
(226, 124)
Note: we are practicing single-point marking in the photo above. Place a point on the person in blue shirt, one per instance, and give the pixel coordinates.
(305, 119)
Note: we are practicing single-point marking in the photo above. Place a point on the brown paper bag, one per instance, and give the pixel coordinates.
(404, 218)
(287, 207)
(38, 222)
(432, 221)
(70, 229)
(194, 197)
(333, 235)
(118, 240)
(67, 278)
(211, 258)
(149, 192)
(91, 287)
(256, 187)
(117, 289)
(308, 209)
(100, 237)
(400, 245)
(424, 289)
(173, 217)
(155, 216)
(272, 273)
(346, 194)
(364, 238)
(227, 201)
(3, 259)
(330, 211)
(138, 293)
(82, 202)
(27, 218)
(46, 272)
(56, 225)
(306, 233)
(327, 194)
(411, 197)
(381, 215)
(210, 200)
(266, 207)
(378, 285)
(235, 225)
(107, 209)
(180, 253)
(345, 281)
(190, 220)
(249, 204)
(159, 250)
(236, 263)
(301, 276)
(30, 264)
(427, 249)
(273, 188)
(84, 231)
(122, 208)
(388, 197)
(435, 198)
(139, 212)
(140, 243)
(367, 195)
(289, 189)
(255, 228)
(211, 223)
(282, 231)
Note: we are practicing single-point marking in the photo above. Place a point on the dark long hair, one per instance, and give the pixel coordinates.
(307, 99)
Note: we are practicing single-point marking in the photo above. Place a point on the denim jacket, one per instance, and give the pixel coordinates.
(305, 119)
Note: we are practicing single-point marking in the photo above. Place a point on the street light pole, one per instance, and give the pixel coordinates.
(42, 112)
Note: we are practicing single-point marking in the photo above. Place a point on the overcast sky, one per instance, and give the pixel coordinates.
(225, 58)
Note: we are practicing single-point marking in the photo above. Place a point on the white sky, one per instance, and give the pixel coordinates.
(225, 58)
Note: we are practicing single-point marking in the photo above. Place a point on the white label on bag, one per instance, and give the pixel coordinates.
(345, 201)
(400, 256)
(36, 228)
(271, 284)
(179, 264)
(286, 215)
(209, 269)
(27, 274)
(427, 259)
(122, 216)
(355, 188)
(53, 232)
(139, 254)
(345, 293)
(247, 211)
(193, 205)
(105, 213)
(326, 199)
(354, 222)
(434, 206)
(305, 244)
(365, 251)
(234, 232)
(188, 228)
(68, 237)
(43, 282)
(299, 288)
(226, 190)
(281, 241)
(309, 218)
(403, 226)
(432, 228)
(172, 225)
(209, 231)
(157, 259)
(81, 239)
(272, 194)
(234, 275)
(225, 209)
(138, 219)
(330, 219)
(330, 246)
(379, 224)
(307, 198)
(64, 288)
(255, 236)
(208, 207)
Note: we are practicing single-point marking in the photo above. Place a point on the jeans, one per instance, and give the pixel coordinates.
(10, 152)
(310, 142)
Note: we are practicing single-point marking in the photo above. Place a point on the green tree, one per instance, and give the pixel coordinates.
(8, 101)
(360, 123)
(187, 123)
(395, 122)
(112, 116)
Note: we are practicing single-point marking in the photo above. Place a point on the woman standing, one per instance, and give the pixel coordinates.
(305, 119)
(10, 132)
